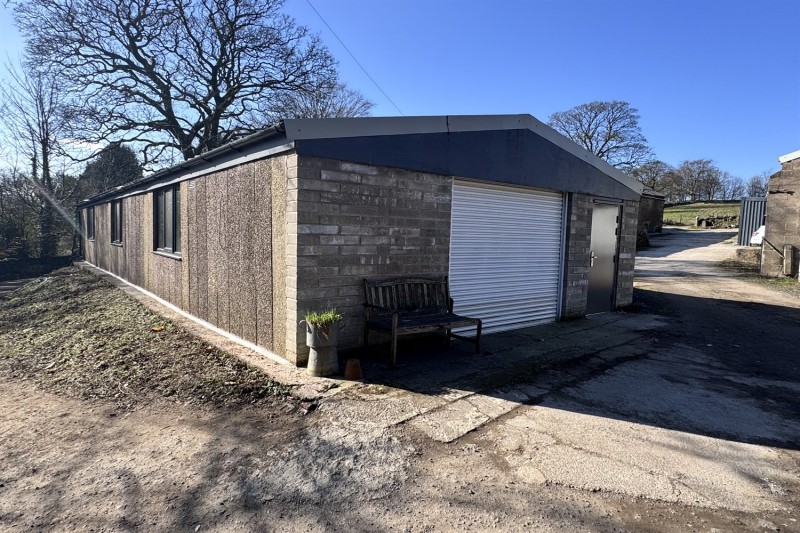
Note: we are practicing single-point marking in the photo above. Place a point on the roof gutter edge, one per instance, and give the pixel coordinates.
(207, 157)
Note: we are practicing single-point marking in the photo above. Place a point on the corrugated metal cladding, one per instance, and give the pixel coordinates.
(751, 217)
(505, 254)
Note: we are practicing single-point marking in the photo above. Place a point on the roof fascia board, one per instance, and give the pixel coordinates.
(789, 157)
(297, 129)
(174, 176)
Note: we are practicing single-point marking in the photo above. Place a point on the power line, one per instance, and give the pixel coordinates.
(354, 57)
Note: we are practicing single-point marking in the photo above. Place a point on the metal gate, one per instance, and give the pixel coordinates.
(751, 217)
(505, 254)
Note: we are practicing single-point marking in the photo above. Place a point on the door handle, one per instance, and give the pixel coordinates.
(592, 257)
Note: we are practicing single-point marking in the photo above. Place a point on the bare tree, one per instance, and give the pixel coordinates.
(36, 122)
(19, 220)
(609, 130)
(732, 187)
(672, 187)
(711, 184)
(757, 185)
(699, 179)
(336, 102)
(652, 174)
(173, 75)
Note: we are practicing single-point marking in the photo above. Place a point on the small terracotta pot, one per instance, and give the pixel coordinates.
(352, 370)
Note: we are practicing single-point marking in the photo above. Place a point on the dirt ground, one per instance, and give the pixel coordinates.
(692, 425)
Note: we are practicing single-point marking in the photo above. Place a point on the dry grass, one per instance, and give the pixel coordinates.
(750, 271)
(75, 334)
(688, 213)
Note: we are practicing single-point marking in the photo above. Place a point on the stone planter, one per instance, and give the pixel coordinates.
(323, 356)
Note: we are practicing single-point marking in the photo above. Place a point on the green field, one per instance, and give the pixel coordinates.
(688, 213)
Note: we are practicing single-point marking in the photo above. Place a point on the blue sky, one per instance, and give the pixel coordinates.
(711, 79)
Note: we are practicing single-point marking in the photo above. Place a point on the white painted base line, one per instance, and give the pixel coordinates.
(208, 325)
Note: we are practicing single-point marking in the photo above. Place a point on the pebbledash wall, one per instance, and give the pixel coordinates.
(266, 240)
(232, 269)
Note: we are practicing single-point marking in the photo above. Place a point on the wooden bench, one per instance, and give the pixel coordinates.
(402, 306)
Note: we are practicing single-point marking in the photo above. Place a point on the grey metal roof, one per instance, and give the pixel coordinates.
(290, 132)
(376, 126)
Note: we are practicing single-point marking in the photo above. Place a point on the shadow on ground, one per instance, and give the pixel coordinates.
(712, 367)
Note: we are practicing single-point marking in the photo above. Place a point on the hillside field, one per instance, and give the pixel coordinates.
(686, 214)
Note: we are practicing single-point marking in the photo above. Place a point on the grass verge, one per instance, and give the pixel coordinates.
(750, 272)
(75, 334)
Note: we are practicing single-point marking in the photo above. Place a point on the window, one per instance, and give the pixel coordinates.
(90, 223)
(116, 222)
(167, 220)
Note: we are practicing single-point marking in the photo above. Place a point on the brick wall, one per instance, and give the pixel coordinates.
(578, 248)
(346, 222)
(783, 219)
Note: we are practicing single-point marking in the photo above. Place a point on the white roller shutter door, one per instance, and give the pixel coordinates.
(505, 254)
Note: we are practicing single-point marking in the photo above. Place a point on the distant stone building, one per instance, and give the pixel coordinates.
(651, 211)
(781, 244)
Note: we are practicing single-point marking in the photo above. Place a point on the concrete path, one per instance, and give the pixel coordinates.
(663, 404)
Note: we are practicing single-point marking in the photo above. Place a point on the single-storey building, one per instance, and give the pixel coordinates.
(529, 227)
(651, 211)
(781, 243)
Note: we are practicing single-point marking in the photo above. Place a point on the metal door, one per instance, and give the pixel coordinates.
(603, 258)
(505, 254)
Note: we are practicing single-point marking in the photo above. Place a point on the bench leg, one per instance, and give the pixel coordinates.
(478, 338)
(394, 339)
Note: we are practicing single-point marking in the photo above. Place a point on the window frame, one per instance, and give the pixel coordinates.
(90, 233)
(167, 220)
(117, 218)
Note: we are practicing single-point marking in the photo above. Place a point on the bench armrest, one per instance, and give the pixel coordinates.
(370, 308)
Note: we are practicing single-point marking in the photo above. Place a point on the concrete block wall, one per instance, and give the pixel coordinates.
(783, 220)
(651, 213)
(578, 249)
(627, 253)
(578, 242)
(348, 222)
